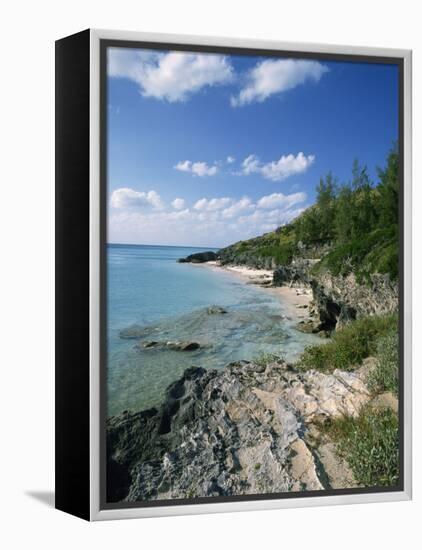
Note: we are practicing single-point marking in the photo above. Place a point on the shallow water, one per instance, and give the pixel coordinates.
(147, 287)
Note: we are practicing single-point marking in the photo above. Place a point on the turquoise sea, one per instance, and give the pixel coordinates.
(147, 287)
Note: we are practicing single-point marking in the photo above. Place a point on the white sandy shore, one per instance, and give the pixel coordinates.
(294, 298)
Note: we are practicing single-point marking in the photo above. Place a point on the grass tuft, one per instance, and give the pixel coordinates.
(370, 445)
(385, 376)
(349, 346)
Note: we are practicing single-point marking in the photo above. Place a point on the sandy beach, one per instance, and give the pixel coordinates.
(296, 299)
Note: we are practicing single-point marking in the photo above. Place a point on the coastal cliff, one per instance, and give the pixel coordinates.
(330, 420)
(336, 299)
(345, 248)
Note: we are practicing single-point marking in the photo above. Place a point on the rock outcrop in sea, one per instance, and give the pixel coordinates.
(199, 258)
(248, 429)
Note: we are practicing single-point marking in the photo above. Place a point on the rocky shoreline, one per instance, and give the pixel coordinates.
(253, 427)
(250, 429)
(335, 300)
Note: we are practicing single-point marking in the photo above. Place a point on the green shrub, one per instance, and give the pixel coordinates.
(349, 346)
(357, 222)
(375, 252)
(385, 376)
(370, 445)
(282, 254)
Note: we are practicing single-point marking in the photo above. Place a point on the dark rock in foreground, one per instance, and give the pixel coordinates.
(248, 429)
(199, 258)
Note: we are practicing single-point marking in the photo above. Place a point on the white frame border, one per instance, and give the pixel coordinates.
(124, 513)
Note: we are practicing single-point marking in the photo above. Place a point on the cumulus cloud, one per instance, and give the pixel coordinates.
(200, 168)
(172, 76)
(237, 207)
(215, 221)
(278, 170)
(213, 204)
(279, 200)
(178, 204)
(250, 165)
(125, 197)
(277, 216)
(276, 76)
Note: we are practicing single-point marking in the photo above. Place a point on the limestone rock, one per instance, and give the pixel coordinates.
(386, 400)
(246, 429)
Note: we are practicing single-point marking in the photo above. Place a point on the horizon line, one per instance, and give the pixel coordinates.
(167, 245)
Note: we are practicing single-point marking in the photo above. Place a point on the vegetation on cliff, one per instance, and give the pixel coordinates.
(352, 227)
(385, 376)
(370, 445)
(369, 442)
(354, 343)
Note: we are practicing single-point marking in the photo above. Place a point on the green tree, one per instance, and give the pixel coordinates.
(343, 220)
(326, 194)
(307, 226)
(362, 206)
(388, 190)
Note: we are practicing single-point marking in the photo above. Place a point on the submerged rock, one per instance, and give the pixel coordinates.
(216, 310)
(176, 346)
(151, 344)
(132, 332)
(243, 430)
(183, 346)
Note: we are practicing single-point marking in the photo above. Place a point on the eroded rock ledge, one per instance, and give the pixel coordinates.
(338, 300)
(247, 429)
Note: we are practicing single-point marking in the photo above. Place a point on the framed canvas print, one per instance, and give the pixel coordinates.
(233, 275)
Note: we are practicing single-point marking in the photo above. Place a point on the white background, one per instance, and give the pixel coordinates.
(27, 271)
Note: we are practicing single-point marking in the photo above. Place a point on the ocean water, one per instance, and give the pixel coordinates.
(169, 301)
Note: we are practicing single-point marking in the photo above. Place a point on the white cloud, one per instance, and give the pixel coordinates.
(250, 164)
(239, 206)
(200, 169)
(230, 159)
(276, 76)
(277, 216)
(178, 204)
(183, 166)
(213, 204)
(278, 170)
(172, 76)
(278, 199)
(125, 197)
(216, 221)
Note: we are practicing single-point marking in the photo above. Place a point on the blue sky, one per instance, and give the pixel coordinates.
(205, 150)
